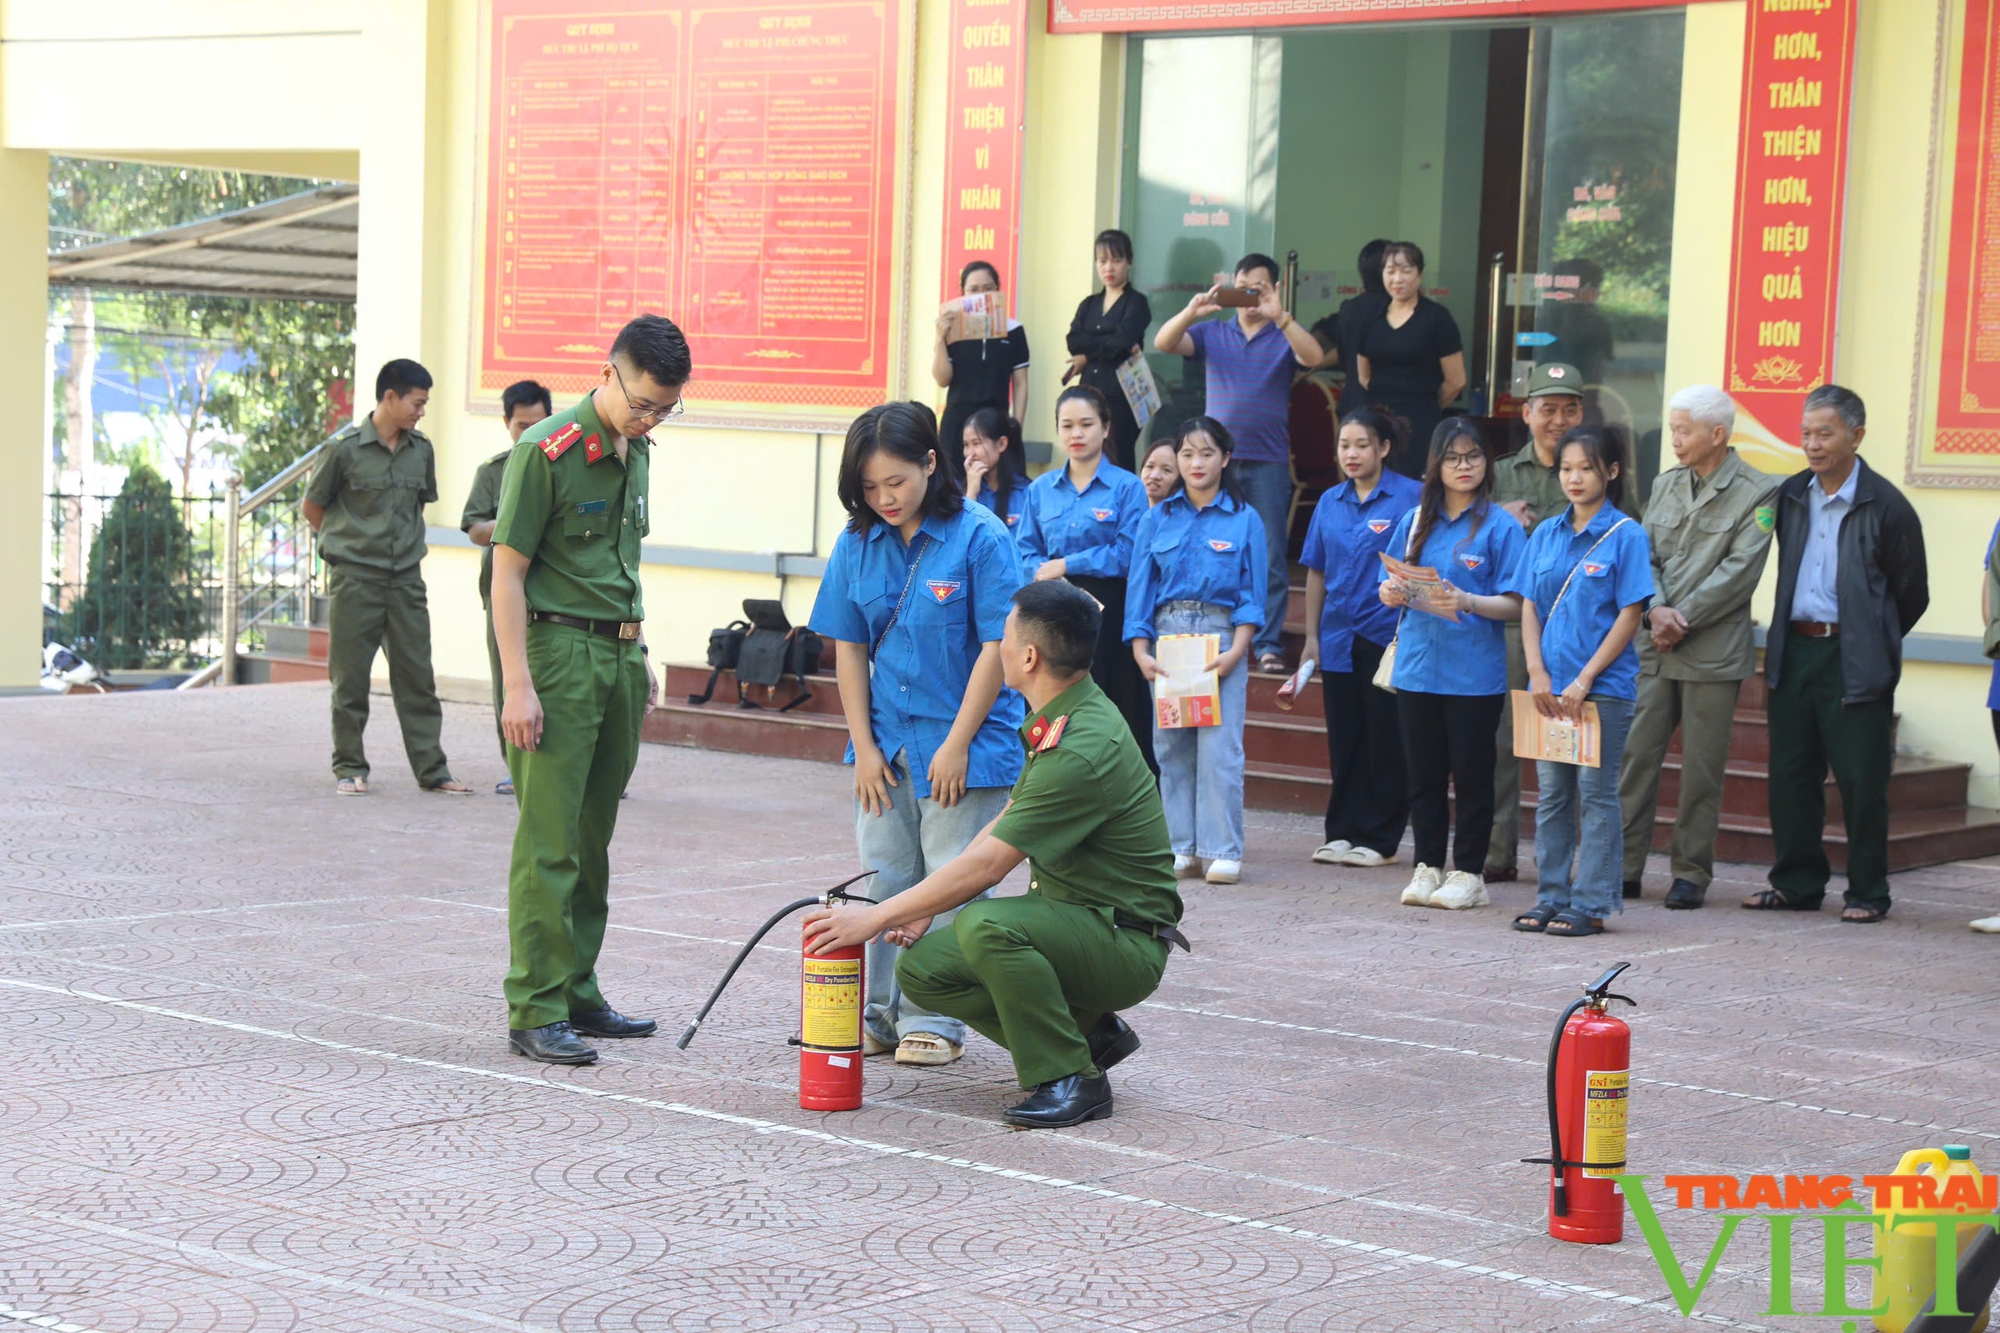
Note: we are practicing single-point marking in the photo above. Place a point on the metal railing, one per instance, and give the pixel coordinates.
(283, 567)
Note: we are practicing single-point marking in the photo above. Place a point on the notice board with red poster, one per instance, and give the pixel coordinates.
(1957, 437)
(1791, 174)
(1198, 15)
(739, 166)
(985, 109)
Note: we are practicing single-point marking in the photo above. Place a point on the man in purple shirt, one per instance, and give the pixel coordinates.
(1251, 363)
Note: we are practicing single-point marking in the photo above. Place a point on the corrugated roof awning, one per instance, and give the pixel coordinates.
(299, 248)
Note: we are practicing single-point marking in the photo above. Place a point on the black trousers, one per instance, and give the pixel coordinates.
(1369, 805)
(1113, 668)
(1449, 738)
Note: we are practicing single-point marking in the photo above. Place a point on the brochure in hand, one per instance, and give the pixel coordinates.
(1425, 587)
(1135, 377)
(980, 315)
(1186, 693)
(1557, 739)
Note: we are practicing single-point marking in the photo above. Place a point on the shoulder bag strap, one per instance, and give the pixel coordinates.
(1579, 565)
(909, 582)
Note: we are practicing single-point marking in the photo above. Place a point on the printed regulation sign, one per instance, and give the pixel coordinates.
(1968, 391)
(1784, 272)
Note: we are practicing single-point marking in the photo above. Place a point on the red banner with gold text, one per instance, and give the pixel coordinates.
(731, 165)
(985, 110)
(1791, 174)
(1968, 400)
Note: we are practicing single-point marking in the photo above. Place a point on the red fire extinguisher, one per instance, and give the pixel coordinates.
(1589, 1079)
(832, 990)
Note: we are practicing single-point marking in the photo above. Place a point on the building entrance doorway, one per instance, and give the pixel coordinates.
(1533, 164)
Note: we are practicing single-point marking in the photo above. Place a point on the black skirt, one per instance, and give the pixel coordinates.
(1113, 668)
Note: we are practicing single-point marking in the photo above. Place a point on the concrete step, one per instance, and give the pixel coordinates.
(1914, 784)
(277, 668)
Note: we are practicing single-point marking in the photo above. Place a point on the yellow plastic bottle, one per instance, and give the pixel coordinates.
(1908, 1275)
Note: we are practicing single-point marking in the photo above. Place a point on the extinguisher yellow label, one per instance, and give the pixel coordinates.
(830, 1018)
(1604, 1093)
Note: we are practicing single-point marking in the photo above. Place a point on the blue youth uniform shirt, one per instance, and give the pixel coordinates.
(1016, 498)
(1090, 529)
(959, 574)
(1344, 544)
(1614, 575)
(1184, 554)
(1437, 656)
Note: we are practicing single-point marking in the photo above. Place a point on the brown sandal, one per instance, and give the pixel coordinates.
(1771, 900)
(1863, 914)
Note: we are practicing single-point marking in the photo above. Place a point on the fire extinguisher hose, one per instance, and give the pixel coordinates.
(838, 893)
(1596, 995)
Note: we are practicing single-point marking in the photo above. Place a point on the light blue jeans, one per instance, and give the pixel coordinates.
(1201, 768)
(915, 838)
(1268, 488)
(1596, 890)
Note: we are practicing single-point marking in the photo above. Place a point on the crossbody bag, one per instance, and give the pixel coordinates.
(1385, 673)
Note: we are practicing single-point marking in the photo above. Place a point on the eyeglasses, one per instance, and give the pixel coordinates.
(1462, 460)
(646, 411)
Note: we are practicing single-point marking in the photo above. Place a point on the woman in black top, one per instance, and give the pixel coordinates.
(1412, 360)
(1109, 327)
(1341, 332)
(978, 372)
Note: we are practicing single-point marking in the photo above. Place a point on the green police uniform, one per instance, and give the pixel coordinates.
(1034, 973)
(482, 505)
(372, 539)
(1709, 540)
(578, 514)
(1522, 475)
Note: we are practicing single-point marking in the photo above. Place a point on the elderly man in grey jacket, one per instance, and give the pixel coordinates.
(1710, 522)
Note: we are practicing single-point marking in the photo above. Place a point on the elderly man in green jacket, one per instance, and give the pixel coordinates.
(1709, 521)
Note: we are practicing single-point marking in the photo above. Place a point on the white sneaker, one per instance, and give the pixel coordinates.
(1331, 853)
(1186, 867)
(1461, 890)
(1422, 885)
(1224, 872)
(1366, 857)
(1987, 925)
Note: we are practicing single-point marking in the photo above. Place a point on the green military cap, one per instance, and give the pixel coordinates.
(1555, 377)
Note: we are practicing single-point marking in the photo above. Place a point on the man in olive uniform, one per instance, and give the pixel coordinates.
(575, 680)
(1709, 521)
(366, 501)
(1528, 485)
(1045, 973)
(522, 404)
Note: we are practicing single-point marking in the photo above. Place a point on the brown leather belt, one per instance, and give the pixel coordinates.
(1814, 629)
(608, 629)
(1165, 934)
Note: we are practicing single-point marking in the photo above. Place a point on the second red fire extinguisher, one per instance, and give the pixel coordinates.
(1589, 1078)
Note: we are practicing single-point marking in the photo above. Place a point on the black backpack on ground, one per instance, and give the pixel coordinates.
(760, 652)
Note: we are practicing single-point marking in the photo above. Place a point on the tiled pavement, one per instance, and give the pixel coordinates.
(255, 1079)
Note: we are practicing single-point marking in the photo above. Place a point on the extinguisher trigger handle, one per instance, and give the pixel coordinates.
(1597, 989)
(1628, 999)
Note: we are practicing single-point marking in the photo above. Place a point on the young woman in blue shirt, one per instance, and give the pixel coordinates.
(1368, 807)
(1584, 583)
(1198, 568)
(1451, 675)
(915, 596)
(1077, 524)
(996, 469)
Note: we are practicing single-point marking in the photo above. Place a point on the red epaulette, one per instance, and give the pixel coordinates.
(592, 449)
(554, 445)
(1054, 736)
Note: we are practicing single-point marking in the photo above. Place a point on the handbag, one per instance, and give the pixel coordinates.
(1385, 673)
(725, 650)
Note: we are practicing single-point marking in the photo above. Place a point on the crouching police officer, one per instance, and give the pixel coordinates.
(1044, 974)
(575, 680)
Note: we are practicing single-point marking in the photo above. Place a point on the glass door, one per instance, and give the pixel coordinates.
(1597, 217)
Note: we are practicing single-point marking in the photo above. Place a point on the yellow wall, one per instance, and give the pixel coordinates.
(385, 91)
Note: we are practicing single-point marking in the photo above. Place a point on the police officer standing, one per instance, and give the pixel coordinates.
(523, 403)
(366, 501)
(566, 613)
(1528, 485)
(1709, 522)
(1045, 973)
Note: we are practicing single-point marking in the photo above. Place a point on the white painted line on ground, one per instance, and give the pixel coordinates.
(820, 1136)
(186, 911)
(1538, 1064)
(642, 930)
(207, 1257)
(53, 1323)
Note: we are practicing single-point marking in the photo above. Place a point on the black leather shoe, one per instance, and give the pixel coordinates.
(1065, 1102)
(552, 1045)
(1685, 897)
(1499, 874)
(611, 1023)
(1632, 889)
(1111, 1041)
